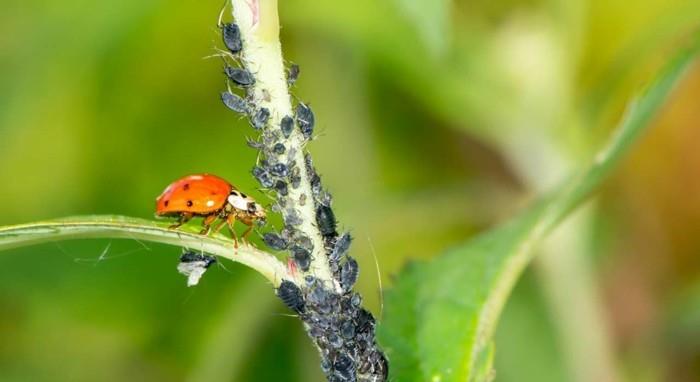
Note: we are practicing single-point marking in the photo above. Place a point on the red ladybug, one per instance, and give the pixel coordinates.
(210, 197)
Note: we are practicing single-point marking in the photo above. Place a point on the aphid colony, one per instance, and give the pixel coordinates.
(341, 328)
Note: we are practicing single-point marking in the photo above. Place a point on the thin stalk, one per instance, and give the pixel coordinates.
(119, 227)
(258, 21)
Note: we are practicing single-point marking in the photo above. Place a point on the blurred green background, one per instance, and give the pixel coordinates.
(437, 119)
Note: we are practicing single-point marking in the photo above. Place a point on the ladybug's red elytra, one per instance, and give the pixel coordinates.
(210, 197)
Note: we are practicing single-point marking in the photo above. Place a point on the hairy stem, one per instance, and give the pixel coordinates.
(262, 56)
(119, 227)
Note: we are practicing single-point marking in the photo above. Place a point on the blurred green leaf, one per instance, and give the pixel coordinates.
(441, 314)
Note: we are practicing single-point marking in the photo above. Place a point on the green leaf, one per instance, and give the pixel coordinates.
(441, 314)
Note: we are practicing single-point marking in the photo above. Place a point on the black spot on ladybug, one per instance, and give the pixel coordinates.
(186, 186)
(189, 203)
(213, 193)
(234, 193)
(243, 195)
(167, 202)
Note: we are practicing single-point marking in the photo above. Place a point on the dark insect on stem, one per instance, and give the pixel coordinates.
(278, 148)
(325, 219)
(234, 102)
(302, 257)
(263, 177)
(232, 37)
(191, 257)
(340, 248)
(259, 120)
(279, 169)
(240, 77)
(348, 274)
(281, 187)
(275, 241)
(305, 120)
(293, 74)
(291, 295)
(344, 368)
(287, 126)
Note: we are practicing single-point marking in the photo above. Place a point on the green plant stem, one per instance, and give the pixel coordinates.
(119, 227)
(262, 55)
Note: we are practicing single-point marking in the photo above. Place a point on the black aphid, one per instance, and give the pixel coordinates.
(263, 177)
(348, 274)
(287, 125)
(279, 169)
(340, 248)
(281, 187)
(191, 257)
(302, 257)
(305, 120)
(275, 241)
(292, 218)
(325, 219)
(364, 323)
(240, 77)
(290, 294)
(279, 148)
(305, 242)
(293, 74)
(234, 102)
(259, 120)
(344, 368)
(347, 330)
(232, 37)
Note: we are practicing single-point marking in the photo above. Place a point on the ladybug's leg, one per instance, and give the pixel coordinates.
(207, 224)
(184, 218)
(250, 227)
(230, 219)
(219, 225)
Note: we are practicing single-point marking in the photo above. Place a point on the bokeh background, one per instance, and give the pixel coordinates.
(437, 119)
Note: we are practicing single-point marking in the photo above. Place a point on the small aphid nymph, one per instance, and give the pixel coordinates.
(293, 74)
(287, 126)
(340, 248)
(259, 120)
(348, 274)
(281, 187)
(275, 241)
(279, 148)
(232, 37)
(305, 120)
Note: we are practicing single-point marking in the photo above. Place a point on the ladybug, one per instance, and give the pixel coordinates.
(210, 197)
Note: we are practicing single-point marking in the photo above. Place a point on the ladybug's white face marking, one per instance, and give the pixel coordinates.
(239, 201)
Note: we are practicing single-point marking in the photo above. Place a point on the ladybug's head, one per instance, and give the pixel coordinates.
(257, 211)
